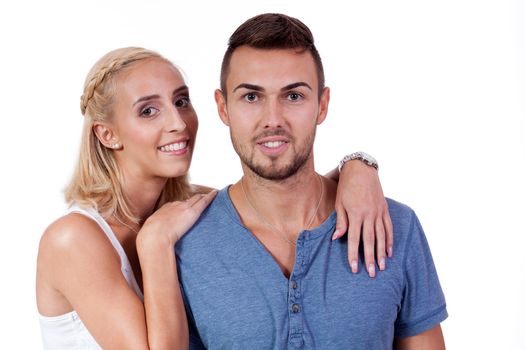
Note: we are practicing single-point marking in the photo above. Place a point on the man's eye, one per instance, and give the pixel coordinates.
(182, 102)
(149, 112)
(294, 96)
(251, 97)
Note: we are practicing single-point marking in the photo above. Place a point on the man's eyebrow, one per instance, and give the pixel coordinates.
(249, 87)
(152, 97)
(295, 85)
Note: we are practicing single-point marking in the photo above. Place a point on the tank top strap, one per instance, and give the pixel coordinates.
(124, 261)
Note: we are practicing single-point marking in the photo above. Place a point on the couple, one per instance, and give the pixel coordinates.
(262, 267)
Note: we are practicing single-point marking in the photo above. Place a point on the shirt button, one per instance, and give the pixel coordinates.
(294, 285)
(295, 308)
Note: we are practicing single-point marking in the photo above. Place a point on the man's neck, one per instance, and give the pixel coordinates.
(299, 202)
(275, 212)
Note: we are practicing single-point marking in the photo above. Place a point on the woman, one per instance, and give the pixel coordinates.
(106, 271)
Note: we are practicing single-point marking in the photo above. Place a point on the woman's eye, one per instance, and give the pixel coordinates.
(149, 112)
(294, 96)
(250, 97)
(182, 102)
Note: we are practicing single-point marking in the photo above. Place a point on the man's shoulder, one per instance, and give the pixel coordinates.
(400, 213)
(404, 221)
(409, 236)
(398, 208)
(216, 211)
(219, 217)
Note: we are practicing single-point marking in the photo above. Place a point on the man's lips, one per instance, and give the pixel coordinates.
(273, 143)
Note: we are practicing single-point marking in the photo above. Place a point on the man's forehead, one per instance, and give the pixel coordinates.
(276, 67)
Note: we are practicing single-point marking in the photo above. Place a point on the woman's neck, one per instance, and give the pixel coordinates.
(143, 194)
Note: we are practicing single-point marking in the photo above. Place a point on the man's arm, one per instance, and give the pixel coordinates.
(428, 340)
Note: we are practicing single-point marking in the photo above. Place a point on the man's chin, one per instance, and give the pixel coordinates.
(274, 173)
(277, 169)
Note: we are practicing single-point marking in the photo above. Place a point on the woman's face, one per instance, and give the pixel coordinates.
(153, 120)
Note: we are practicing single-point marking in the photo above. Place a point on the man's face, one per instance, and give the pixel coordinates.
(272, 109)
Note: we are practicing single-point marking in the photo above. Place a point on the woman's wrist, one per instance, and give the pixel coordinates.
(361, 156)
(148, 241)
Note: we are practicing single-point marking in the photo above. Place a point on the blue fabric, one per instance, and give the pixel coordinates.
(238, 298)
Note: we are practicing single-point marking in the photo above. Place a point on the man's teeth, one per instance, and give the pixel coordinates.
(174, 146)
(273, 144)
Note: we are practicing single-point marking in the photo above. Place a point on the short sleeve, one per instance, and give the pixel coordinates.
(423, 305)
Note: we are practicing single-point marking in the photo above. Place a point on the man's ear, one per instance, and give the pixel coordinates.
(323, 105)
(220, 100)
(107, 136)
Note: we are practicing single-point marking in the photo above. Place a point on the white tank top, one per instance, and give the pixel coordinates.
(67, 331)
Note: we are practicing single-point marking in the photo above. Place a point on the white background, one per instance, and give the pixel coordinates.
(434, 90)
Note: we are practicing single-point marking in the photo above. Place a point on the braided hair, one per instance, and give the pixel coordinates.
(97, 179)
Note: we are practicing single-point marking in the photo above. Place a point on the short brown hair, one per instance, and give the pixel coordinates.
(272, 31)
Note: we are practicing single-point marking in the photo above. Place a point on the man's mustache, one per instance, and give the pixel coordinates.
(273, 132)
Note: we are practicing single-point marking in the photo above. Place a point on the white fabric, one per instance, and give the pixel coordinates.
(67, 331)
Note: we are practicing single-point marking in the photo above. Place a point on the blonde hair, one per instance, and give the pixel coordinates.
(97, 180)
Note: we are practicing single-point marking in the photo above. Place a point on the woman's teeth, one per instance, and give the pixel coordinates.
(174, 146)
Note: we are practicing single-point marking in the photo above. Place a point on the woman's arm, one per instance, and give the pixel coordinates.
(362, 209)
(79, 268)
(162, 295)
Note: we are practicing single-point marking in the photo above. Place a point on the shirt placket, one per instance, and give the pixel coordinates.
(295, 299)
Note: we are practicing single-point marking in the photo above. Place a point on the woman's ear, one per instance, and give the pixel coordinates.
(107, 136)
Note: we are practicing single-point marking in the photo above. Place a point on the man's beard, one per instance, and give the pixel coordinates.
(272, 171)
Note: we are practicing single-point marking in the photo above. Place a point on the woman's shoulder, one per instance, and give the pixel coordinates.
(74, 254)
(71, 234)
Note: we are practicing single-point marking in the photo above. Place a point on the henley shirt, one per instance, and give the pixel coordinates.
(237, 297)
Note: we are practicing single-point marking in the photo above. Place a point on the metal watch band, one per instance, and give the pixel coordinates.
(362, 156)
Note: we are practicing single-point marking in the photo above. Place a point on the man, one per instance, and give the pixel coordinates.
(259, 270)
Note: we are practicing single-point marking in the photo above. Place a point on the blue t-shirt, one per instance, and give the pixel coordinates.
(237, 297)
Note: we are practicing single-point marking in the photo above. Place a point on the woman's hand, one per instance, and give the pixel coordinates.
(164, 308)
(361, 208)
(174, 219)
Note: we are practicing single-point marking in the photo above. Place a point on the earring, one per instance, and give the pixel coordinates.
(115, 146)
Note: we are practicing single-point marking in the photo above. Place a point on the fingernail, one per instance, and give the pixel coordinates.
(336, 235)
(382, 264)
(353, 264)
(390, 251)
(371, 270)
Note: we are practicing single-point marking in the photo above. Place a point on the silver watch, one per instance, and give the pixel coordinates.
(362, 156)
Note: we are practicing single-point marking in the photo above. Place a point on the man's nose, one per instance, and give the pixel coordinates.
(273, 114)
